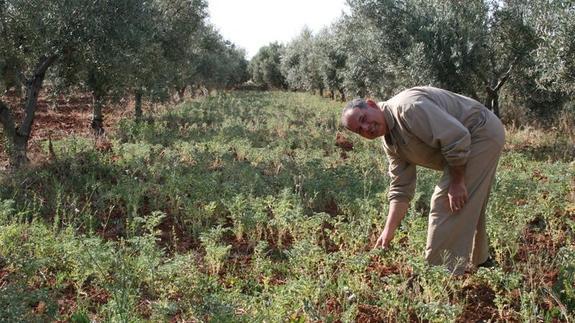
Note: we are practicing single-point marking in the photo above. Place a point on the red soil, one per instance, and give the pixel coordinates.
(60, 117)
(480, 301)
(342, 142)
(370, 314)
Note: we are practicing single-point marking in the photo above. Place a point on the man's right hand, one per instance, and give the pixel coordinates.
(397, 211)
(384, 239)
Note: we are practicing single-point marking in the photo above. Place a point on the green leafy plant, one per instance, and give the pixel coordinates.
(216, 253)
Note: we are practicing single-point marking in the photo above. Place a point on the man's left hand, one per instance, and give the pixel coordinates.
(457, 195)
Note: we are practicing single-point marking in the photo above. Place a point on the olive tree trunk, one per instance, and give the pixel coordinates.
(138, 105)
(342, 94)
(9, 128)
(97, 123)
(492, 100)
(181, 93)
(17, 136)
(492, 90)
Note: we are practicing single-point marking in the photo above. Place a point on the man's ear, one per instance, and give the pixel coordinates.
(371, 103)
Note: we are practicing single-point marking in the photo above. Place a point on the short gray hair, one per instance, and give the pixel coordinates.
(353, 104)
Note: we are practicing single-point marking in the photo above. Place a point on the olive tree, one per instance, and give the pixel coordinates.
(332, 59)
(151, 55)
(182, 29)
(554, 24)
(505, 50)
(471, 47)
(220, 64)
(123, 33)
(366, 69)
(34, 36)
(301, 63)
(265, 67)
(425, 42)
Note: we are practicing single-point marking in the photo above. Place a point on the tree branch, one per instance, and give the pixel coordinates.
(505, 76)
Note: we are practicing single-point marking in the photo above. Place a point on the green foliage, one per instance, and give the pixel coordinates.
(513, 54)
(216, 253)
(6, 210)
(16, 301)
(554, 23)
(265, 67)
(301, 63)
(239, 207)
(332, 60)
(111, 49)
(564, 288)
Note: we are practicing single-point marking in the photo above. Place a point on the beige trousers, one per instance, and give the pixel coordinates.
(460, 239)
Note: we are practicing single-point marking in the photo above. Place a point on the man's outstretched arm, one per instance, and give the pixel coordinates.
(397, 211)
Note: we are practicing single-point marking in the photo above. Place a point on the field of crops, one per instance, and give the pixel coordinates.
(257, 206)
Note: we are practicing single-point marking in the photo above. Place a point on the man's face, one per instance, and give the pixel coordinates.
(367, 122)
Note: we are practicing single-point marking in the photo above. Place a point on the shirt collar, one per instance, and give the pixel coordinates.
(389, 119)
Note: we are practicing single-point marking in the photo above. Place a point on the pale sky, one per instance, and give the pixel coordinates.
(251, 24)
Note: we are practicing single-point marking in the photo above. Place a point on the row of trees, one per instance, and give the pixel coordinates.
(148, 49)
(155, 49)
(480, 48)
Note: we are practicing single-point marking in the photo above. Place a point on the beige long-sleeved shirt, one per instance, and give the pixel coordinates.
(428, 127)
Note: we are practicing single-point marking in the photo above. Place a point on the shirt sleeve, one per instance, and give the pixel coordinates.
(438, 129)
(402, 176)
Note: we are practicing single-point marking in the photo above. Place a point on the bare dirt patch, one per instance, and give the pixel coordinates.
(536, 240)
(370, 314)
(342, 142)
(333, 309)
(382, 270)
(480, 306)
(61, 117)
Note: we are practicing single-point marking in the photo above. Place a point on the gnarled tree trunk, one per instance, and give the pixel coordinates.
(18, 136)
(9, 128)
(492, 90)
(181, 93)
(492, 100)
(97, 123)
(342, 93)
(96, 84)
(138, 105)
